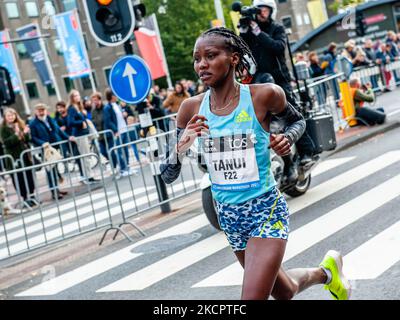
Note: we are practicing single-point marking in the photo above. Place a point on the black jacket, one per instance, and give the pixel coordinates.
(268, 49)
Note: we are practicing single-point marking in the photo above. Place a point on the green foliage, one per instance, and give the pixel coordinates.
(180, 23)
(339, 4)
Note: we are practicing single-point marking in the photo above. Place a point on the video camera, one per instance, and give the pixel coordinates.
(248, 13)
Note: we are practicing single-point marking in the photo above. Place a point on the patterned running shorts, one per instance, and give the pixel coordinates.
(264, 217)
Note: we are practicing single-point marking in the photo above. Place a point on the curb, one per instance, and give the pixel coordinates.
(364, 136)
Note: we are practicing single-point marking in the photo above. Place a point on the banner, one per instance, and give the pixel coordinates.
(149, 44)
(73, 47)
(7, 60)
(36, 51)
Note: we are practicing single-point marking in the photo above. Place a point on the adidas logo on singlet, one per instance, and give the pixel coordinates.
(243, 117)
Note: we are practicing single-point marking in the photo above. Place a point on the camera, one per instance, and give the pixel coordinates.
(248, 13)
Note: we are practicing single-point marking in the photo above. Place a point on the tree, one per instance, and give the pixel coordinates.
(180, 23)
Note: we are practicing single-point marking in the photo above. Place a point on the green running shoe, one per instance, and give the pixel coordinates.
(339, 287)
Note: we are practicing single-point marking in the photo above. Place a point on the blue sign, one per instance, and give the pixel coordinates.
(7, 60)
(130, 79)
(36, 52)
(70, 35)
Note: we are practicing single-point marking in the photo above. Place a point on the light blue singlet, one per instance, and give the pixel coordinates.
(236, 152)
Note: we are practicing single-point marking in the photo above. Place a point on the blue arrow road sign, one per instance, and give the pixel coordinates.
(130, 79)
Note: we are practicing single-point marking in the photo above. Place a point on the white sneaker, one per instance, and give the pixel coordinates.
(124, 174)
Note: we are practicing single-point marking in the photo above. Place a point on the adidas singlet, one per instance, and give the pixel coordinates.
(236, 152)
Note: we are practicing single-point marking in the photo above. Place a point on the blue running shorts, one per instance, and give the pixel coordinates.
(264, 217)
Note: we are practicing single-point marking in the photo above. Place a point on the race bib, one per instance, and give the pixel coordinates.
(232, 163)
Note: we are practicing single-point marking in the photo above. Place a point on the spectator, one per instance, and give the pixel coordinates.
(329, 59)
(80, 129)
(190, 87)
(371, 56)
(114, 121)
(383, 59)
(88, 106)
(15, 135)
(45, 130)
(98, 121)
(175, 99)
(360, 96)
(68, 149)
(163, 94)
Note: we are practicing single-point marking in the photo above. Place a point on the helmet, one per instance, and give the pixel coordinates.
(267, 3)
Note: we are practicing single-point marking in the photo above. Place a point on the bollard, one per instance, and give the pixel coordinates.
(146, 122)
(155, 170)
(347, 106)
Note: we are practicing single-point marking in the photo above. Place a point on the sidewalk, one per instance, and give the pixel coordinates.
(355, 135)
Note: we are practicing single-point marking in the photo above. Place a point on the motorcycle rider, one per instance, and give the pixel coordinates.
(267, 41)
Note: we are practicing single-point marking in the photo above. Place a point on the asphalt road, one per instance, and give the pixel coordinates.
(352, 206)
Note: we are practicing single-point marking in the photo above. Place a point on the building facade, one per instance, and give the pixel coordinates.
(378, 18)
(15, 14)
(294, 15)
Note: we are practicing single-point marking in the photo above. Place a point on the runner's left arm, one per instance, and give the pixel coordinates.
(295, 124)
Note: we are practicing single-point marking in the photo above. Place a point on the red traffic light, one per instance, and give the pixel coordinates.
(104, 2)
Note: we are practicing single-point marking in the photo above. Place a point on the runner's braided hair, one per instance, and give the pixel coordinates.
(236, 44)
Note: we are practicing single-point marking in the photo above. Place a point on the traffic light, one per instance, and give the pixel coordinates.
(111, 21)
(7, 96)
(360, 24)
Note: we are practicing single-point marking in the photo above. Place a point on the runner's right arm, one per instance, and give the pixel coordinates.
(172, 165)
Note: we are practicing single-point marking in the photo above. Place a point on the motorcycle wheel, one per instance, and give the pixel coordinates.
(300, 188)
(209, 208)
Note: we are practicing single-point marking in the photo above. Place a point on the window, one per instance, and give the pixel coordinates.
(33, 92)
(69, 84)
(306, 19)
(69, 5)
(299, 20)
(282, 1)
(287, 22)
(49, 8)
(87, 84)
(51, 91)
(22, 52)
(107, 75)
(12, 10)
(31, 9)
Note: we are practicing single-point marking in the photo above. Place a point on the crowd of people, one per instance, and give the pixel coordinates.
(368, 53)
(75, 127)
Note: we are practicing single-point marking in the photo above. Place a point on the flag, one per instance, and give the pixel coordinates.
(73, 47)
(36, 51)
(149, 43)
(7, 60)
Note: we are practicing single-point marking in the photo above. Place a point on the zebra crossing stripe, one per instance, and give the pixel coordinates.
(73, 226)
(344, 180)
(375, 256)
(172, 264)
(330, 164)
(319, 229)
(99, 266)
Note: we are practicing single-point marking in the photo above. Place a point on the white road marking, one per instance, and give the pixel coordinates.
(318, 230)
(375, 256)
(99, 266)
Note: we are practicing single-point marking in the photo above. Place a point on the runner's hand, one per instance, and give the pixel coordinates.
(195, 128)
(280, 144)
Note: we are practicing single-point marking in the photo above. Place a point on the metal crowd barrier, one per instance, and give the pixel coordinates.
(38, 220)
(46, 222)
